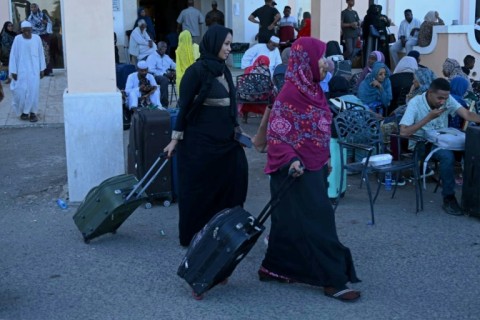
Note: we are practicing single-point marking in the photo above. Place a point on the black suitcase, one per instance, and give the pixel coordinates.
(150, 132)
(109, 204)
(471, 174)
(226, 239)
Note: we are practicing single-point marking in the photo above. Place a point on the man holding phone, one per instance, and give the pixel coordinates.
(430, 111)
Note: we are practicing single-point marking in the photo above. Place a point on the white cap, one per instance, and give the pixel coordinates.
(142, 64)
(275, 39)
(25, 24)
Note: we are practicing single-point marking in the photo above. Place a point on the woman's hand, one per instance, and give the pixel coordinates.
(297, 169)
(375, 84)
(170, 148)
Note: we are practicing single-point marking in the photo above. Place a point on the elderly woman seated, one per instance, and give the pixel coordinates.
(451, 69)
(432, 18)
(376, 90)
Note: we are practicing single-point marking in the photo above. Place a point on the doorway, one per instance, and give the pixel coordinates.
(164, 14)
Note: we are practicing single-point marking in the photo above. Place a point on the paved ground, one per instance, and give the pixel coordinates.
(413, 266)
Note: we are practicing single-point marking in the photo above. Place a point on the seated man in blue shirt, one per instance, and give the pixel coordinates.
(429, 111)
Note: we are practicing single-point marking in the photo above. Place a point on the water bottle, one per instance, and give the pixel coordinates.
(388, 181)
(62, 204)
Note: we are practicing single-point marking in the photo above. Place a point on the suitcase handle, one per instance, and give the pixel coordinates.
(284, 186)
(163, 155)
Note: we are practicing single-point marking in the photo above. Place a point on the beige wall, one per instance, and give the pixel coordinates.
(4, 11)
(450, 45)
(89, 59)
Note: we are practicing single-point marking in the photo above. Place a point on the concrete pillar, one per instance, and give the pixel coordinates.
(326, 20)
(92, 105)
(326, 14)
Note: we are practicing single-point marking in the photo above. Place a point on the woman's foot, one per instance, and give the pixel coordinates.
(345, 294)
(265, 275)
(24, 116)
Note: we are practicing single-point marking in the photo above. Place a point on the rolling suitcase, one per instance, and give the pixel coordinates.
(471, 173)
(226, 239)
(150, 132)
(335, 175)
(109, 204)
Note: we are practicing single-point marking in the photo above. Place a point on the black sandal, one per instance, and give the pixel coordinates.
(33, 117)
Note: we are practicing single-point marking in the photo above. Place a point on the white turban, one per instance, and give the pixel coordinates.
(25, 24)
(275, 39)
(142, 64)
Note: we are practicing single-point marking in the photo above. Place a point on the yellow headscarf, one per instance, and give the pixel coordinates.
(186, 54)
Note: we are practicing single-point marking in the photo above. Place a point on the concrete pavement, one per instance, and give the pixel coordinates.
(413, 266)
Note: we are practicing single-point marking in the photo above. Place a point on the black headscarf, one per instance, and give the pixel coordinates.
(210, 46)
(4, 29)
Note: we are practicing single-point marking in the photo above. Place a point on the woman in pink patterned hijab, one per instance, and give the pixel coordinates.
(299, 125)
(303, 244)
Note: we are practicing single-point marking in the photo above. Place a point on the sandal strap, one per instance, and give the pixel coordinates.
(342, 292)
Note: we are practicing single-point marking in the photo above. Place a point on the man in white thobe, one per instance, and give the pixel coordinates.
(142, 85)
(269, 49)
(26, 67)
(140, 44)
(162, 67)
(407, 36)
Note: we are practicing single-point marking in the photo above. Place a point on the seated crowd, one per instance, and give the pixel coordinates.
(407, 93)
(417, 100)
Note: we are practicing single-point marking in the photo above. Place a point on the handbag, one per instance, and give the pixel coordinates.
(391, 36)
(374, 32)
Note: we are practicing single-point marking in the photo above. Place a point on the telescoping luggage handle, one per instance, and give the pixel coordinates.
(163, 155)
(285, 185)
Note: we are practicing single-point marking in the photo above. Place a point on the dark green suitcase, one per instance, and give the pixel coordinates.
(109, 204)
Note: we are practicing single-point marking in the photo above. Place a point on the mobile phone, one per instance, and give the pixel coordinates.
(243, 139)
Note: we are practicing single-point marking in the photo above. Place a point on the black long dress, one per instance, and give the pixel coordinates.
(303, 243)
(212, 166)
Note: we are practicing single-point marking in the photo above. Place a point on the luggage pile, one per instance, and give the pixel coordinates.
(149, 177)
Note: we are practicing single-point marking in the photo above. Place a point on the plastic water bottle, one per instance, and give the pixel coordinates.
(388, 181)
(62, 204)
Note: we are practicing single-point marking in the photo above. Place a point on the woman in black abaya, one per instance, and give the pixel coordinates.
(212, 166)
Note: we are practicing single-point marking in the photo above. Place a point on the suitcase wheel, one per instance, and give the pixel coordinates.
(224, 282)
(85, 240)
(114, 232)
(166, 203)
(197, 296)
(148, 205)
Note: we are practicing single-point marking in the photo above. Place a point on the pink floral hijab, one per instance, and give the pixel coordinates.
(299, 123)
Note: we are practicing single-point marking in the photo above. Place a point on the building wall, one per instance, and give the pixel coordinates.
(4, 11)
